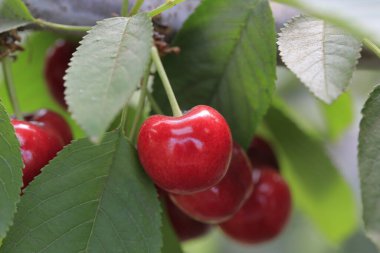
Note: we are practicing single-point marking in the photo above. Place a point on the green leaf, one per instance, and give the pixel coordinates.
(90, 198)
(338, 116)
(106, 69)
(170, 240)
(317, 186)
(13, 14)
(227, 60)
(326, 65)
(359, 17)
(369, 162)
(10, 173)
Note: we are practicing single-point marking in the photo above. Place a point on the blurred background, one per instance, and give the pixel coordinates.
(301, 234)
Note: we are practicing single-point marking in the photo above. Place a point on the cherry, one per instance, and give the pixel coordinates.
(56, 63)
(261, 154)
(185, 227)
(39, 143)
(222, 201)
(265, 213)
(54, 121)
(186, 154)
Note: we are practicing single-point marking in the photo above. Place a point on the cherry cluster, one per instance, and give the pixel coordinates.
(44, 133)
(207, 179)
(202, 176)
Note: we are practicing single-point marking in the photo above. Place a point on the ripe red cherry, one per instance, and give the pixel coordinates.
(56, 63)
(185, 227)
(186, 154)
(261, 154)
(54, 121)
(222, 201)
(39, 144)
(265, 213)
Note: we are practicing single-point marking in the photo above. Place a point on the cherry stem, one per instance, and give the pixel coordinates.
(141, 103)
(136, 7)
(45, 23)
(166, 83)
(124, 8)
(167, 5)
(156, 108)
(372, 46)
(8, 78)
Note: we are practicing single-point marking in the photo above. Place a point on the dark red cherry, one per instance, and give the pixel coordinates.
(261, 154)
(186, 154)
(185, 227)
(56, 63)
(222, 201)
(39, 144)
(53, 120)
(265, 213)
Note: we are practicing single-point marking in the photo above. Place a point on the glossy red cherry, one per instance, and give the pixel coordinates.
(39, 144)
(265, 213)
(185, 227)
(54, 121)
(261, 154)
(186, 154)
(222, 201)
(56, 63)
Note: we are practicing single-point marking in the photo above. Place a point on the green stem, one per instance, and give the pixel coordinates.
(45, 23)
(156, 108)
(124, 116)
(169, 4)
(6, 64)
(141, 103)
(166, 83)
(136, 7)
(124, 8)
(372, 46)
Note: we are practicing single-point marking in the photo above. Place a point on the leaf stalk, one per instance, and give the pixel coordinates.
(8, 78)
(165, 6)
(57, 26)
(372, 46)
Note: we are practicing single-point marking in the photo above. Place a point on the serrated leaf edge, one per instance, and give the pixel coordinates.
(280, 34)
(94, 139)
(10, 223)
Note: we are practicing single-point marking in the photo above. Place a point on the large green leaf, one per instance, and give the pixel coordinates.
(90, 198)
(106, 69)
(360, 17)
(317, 186)
(10, 173)
(227, 60)
(369, 164)
(326, 65)
(13, 14)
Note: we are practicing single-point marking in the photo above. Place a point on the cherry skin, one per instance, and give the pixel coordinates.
(265, 213)
(261, 154)
(54, 121)
(222, 201)
(39, 144)
(185, 227)
(186, 154)
(56, 63)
